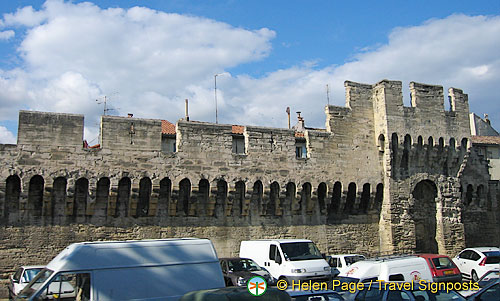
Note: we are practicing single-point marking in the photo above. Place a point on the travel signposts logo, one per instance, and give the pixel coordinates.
(257, 286)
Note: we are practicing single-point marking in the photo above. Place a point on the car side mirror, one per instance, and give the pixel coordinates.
(323, 255)
(278, 260)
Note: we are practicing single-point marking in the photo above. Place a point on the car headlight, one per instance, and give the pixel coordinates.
(241, 281)
(327, 269)
(298, 270)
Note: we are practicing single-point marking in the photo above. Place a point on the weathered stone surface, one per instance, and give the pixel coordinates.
(381, 178)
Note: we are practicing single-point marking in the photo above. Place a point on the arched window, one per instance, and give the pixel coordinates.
(350, 199)
(81, 195)
(221, 200)
(365, 199)
(379, 196)
(145, 187)
(336, 198)
(420, 143)
(257, 192)
(101, 198)
(164, 197)
(35, 195)
(305, 197)
(381, 143)
(123, 197)
(203, 195)
(452, 144)
(240, 197)
(464, 144)
(274, 194)
(405, 160)
(12, 193)
(59, 197)
(291, 196)
(322, 191)
(469, 194)
(184, 196)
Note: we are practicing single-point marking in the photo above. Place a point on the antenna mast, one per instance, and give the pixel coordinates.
(105, 102)
(328, 94)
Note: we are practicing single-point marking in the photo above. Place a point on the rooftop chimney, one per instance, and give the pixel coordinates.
(487, 119)
(299, 127)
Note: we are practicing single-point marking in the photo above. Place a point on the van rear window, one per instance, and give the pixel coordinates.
(396, 277)
(442, 263)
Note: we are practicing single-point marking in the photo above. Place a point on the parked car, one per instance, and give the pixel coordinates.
(490, 292)
(23, 275)
(237, 271)
(442, 268)
(475, 262)
(21, 278)
(342, 261)
(395, 268)
(385, 292)
(320, 295)
(489, 277)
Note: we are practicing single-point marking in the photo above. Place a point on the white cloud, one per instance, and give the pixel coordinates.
(5, 35)
(6, 137)
(74, 54)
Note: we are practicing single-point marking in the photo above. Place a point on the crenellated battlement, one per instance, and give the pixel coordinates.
(380, 178)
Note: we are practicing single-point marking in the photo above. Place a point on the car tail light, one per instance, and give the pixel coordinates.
(482, 262)
(434, 274)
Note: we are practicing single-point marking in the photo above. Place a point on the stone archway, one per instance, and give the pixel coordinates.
(424, 216)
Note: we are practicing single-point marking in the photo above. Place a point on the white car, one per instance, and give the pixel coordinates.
(343, 261)
(21, 278)
(25, 274)
(473, 263)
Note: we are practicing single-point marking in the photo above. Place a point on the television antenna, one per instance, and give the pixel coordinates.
(104, 100)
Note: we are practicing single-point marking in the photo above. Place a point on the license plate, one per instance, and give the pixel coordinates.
(448, 272)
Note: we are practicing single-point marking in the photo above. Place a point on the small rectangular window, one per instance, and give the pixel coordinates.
(238, 144)
(168, 144)
(300, 149)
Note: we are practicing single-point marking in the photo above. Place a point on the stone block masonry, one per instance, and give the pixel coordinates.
(381, 178)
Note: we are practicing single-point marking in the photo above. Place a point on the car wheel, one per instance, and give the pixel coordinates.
(474, 276)
(284, 278)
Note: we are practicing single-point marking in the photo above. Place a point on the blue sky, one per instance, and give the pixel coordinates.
(148, 56)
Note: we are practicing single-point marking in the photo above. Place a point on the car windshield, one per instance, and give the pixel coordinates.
(443, 263)
(492, 257)
(29, 274)
(35, 283)
(352, 259)
(239, 265)
(300, 251)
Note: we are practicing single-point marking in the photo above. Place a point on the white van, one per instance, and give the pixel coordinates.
(401, 268)
(288, 259)
(342, 261)
(163, 269)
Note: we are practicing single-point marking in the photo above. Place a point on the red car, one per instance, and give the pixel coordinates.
(442, 267)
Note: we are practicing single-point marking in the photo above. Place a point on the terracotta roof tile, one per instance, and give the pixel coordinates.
(238, 129)
(486, 139)
(167, 128)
